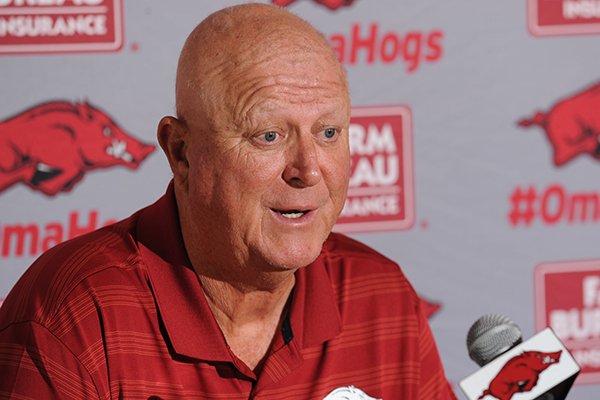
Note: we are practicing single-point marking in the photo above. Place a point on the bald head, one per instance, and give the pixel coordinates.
(232, 41)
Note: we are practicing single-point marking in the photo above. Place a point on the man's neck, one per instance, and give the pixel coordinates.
(248, 318)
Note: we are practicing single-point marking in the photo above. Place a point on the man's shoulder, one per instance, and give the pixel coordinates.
(367, 282)
(62, 270)
(352, 263)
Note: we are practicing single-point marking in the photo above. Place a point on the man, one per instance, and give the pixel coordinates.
(230, 286)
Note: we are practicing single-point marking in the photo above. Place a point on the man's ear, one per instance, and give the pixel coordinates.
(173, 138)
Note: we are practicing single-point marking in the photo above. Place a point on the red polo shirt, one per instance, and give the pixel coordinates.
(120, 313)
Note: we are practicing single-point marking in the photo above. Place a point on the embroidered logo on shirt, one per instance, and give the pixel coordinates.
(348, 393)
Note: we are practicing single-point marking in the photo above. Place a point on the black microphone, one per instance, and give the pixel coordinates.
(540, 368)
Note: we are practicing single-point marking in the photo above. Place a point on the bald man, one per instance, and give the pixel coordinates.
(231, 286)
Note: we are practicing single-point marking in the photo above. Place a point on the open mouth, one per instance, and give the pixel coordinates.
(292, 214)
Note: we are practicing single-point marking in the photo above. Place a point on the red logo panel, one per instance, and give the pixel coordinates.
(380, 195)
(568, 300)
(52, 26)
(563, 17)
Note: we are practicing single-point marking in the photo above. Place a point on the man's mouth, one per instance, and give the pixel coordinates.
(292, 214)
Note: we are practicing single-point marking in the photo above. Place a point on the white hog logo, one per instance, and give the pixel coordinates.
(348, 393)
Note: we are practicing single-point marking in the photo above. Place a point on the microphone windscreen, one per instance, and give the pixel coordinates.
(490, 336)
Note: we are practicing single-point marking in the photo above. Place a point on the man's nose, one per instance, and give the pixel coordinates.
(302, 168)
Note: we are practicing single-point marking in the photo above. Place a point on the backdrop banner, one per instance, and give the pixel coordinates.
(475, 141)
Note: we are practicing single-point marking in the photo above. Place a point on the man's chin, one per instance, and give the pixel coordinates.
(283, 250)
(294, 258)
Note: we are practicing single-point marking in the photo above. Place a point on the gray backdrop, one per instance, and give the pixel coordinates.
(469, 155)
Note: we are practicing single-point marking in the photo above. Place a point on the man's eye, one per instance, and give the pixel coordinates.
(269, 136)
(329, 133)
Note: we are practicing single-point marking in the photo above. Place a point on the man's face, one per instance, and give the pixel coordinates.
(268, 172)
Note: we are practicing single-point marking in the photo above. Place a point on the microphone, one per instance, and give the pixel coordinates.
(540, 368)
(490, 336)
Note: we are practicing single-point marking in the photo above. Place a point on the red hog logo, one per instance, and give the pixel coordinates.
(331, 4)
(49, 147)
(520, 374)
(572, 125)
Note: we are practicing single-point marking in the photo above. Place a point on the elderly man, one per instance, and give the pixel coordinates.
(231, 285)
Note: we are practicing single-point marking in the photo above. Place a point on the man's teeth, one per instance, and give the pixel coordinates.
(292, 215)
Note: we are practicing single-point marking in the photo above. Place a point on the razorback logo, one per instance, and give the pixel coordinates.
(520, 374)
(331, 4)
(50, 147)
(572, 125)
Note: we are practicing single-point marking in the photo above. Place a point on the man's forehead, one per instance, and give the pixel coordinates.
(287, 104)
(230, 46)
